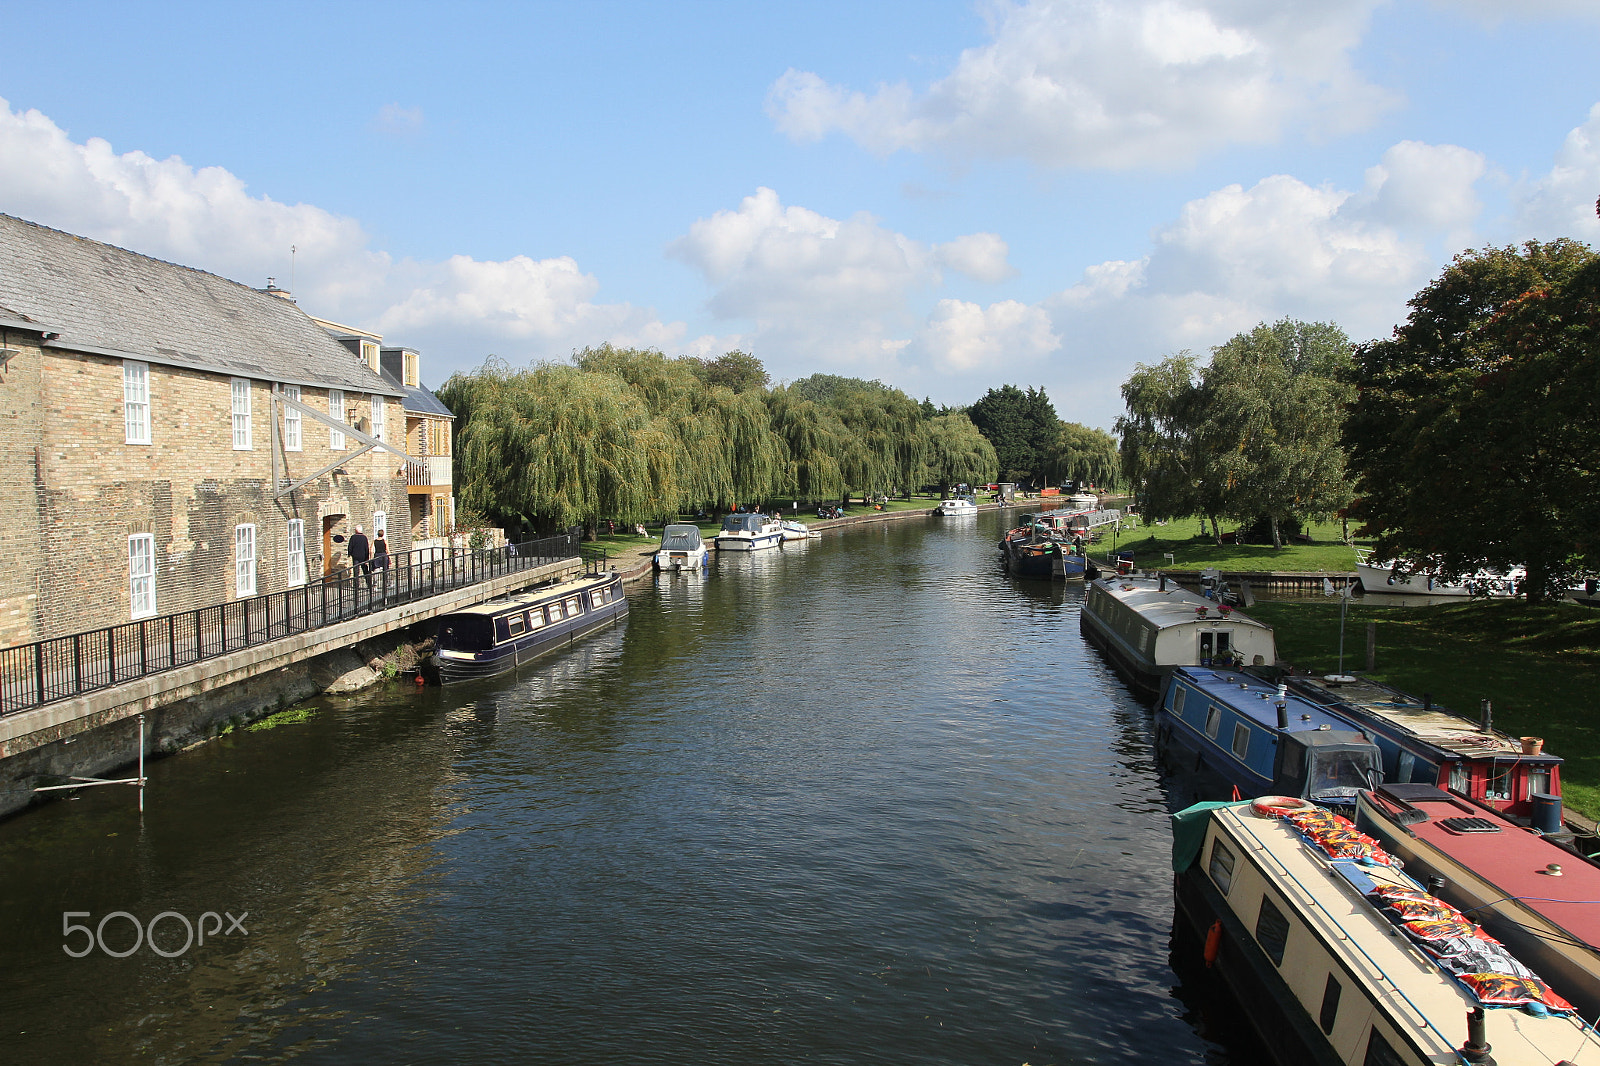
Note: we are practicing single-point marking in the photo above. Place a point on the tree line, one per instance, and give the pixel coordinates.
(1469, 439)
(634, 435)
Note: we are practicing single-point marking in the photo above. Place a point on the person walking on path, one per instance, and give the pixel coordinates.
(360, 551)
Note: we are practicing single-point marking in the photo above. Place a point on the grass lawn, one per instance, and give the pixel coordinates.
(1191, 551)
(1538, 664)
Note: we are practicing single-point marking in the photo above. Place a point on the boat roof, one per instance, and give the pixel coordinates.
(1432, 724)
(1258, 701)
(741, 522)
(537, 595)
(1508, 857)
(1173, 607)
(680, 535)
(1330, 902)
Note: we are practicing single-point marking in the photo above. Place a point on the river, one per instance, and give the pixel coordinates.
(864, 800)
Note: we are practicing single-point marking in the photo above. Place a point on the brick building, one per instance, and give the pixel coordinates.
(170, 439)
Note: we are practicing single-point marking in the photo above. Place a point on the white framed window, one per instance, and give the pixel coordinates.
(141, 575)
(244, 560)
(136, 401)
(380, 524)
(295, 571)
(336, 409)
(241, 415)
(377, 417)
(291, 420)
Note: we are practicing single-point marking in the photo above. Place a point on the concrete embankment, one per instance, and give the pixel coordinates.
(98, 732)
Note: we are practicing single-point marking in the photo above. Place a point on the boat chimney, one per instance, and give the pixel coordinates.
(1487, 709)
(1427, 701)
(1163, 586)
(1476, 1049)
(1436, 885)
(1283, 706)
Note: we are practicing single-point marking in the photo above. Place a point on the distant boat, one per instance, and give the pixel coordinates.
(955, 506)
(1083, 500)
(495, 636)
(1148, 626)
(749, 532)
(682, 548)
(1387, 575)
(1039, 551)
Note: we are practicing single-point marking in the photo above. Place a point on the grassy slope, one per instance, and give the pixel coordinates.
(1538, 664)
(1190, 551)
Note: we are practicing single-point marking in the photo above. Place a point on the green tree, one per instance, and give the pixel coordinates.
(817, 446)
(1272, 405)
(1474, 432)
(957, 453)
(1083, 454)
(1022, 426)
(737, 371)
(1160, 454)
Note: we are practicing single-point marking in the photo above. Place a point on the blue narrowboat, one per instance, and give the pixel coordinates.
(1261, 739)
(1426, 743)
(493, 637)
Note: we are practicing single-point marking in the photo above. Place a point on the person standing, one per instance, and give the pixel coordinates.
(380, 559)
(360, 550)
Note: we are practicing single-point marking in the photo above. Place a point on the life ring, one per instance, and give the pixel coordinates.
(1213, 943)
(1278, 806)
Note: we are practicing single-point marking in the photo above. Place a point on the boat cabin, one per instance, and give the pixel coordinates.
(1426, 743)
(1146, 627)
(1263, 740)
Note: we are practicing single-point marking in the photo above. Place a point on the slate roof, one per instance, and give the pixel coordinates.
(111, 301)
(418, 400)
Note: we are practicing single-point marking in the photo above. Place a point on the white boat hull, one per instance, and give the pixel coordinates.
(670, 560)
(749, 544)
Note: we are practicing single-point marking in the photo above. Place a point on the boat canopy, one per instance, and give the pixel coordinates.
(681, 538)
(1328, 765)
(743, 523)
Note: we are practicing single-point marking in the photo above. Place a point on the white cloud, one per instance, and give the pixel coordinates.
(961, 336)
(980, 256)
(456, 312)
(1424, 189)
(1091, 83)
(1562, 202)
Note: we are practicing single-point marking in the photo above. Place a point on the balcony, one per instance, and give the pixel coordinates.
(432, 472)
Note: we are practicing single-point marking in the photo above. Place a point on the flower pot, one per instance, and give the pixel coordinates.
(1532, 745)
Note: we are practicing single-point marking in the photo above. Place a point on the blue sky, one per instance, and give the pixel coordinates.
(945, 196)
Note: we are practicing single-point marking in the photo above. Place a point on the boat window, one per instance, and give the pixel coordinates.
(1380, 1053)
(502, 631)
(1221, 865)
(1341, 772)
(1272, 931)
(1224, 642)
(574, 607)
(1213, 720)
(597, 597)
(1241, 739)
(516, 625)
(1459, 779)
(1207, 642)
(1144, 642)
(1539, 780)
(556, 614)
(1178, 693)
(1499, 787)
(1330, 1005)
(1404, 765)
(536, 619)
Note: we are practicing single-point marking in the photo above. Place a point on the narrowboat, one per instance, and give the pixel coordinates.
(1391, 575)
(1537, 898)
(1429, 744)
(682, 548)
(1037, 553)
(1145, 627)
(1260, 740)
(1340, 958)
(493, 637)
(748, 533)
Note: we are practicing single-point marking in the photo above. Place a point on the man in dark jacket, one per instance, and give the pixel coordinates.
(360, 550)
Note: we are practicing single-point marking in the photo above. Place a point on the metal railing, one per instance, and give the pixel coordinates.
(32, 675)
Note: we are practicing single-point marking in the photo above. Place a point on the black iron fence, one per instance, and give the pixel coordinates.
(63, 667)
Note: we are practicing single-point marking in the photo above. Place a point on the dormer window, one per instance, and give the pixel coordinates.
(412, 379)
(369, 355)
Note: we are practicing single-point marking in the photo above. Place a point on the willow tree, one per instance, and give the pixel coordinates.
(890, 428)
(1083, 454)
(554, 446)
(957, 453)
(815, 443)
(1160, 452)
(756, 456)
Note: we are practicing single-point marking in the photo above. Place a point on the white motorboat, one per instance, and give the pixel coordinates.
(1388, 575)
(956, 505)
(748, 533)
(682, 548)
(793, 531)
(1083, 501)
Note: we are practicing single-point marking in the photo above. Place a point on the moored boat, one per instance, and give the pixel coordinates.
(493, 637)
(1341, 958)
(1261, 740)
(1429, 744)
(1391, 575)
(1148, 626)
(955, 506)
(749, 532)
(1536, 897)
(682, 548)
(792, 531)
(1083, 501)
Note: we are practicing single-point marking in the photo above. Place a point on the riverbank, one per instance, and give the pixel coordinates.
(1535, 663)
